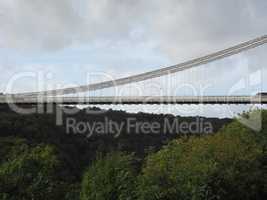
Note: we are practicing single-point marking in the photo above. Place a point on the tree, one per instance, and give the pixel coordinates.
(111, 177)
(31, 175)
(228, 165)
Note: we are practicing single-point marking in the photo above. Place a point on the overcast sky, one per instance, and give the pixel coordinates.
(69, 38)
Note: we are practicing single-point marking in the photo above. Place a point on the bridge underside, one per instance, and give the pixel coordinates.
(137, 100)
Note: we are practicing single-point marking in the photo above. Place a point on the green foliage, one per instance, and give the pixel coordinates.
(76, 152)
(31, 175)
(228, 165)
(11, 146)
(38, 160)
(110, 178)
(73, 192)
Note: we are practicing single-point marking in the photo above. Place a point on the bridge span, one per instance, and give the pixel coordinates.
(153, 74)
(257, 99)
(57, 96)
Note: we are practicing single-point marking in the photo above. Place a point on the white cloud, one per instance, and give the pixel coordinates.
(178, 29)
(182, 29)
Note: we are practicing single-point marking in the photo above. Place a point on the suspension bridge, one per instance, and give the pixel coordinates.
(58, 96)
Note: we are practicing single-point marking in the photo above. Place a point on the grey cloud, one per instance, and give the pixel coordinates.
(180, 29)
(38, 24)
(194, 27)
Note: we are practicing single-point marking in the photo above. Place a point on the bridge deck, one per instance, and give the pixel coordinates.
(155, 73)
(137, 100)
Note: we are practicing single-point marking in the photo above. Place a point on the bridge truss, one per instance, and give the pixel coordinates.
(57, 95)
